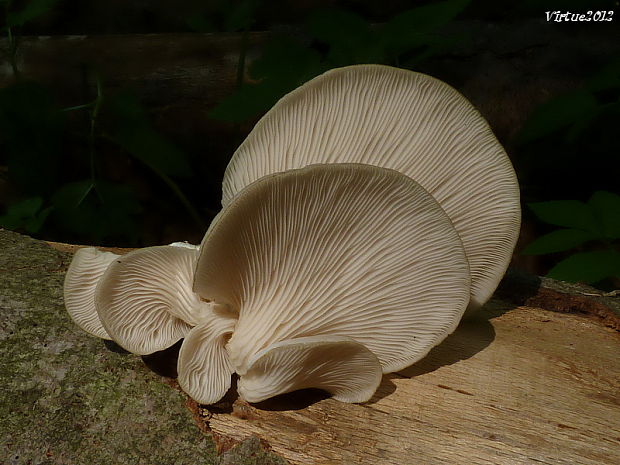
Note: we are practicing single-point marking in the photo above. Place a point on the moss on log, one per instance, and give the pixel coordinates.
(67, 398)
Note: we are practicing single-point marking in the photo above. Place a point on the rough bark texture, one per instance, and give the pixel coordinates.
(533, 379)
(68, 398)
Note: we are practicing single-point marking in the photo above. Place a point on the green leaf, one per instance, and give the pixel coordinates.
(31, 135)
(588, 267)
(556, 241)
(435, 45)
(287, 60)
(250, 100)
(411, 28)
(26, 215)
(606, 207)
(567, 213)
(72, 195)
(109, 214)
(284, 65)
(9, 222)
(26, 208)
(132, 130)
(240, 15)
(35, 223)
(32, 10)
(607, 78)
(559, 113)
(348, 36)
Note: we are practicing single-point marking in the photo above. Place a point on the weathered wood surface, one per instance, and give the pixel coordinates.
(517, 385)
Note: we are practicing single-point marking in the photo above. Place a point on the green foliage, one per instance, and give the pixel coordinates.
(32, 139)
(573, 111)
(606, 208)
(349, 37)
(596, 222)
(31, 11)
(31, 136)
(576, 111)
(568, 213)
(588, 267)
(233, 17)
(27, 214)
(416, 28)
(558, 241)
(342, 38)
(283, 66)
(130, 128)
(101, 210)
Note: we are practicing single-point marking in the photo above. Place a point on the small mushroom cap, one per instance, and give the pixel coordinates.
(340, 250)
(85, 271)
(339, 365)
(204, 369)
(406, 121)
(145, 301)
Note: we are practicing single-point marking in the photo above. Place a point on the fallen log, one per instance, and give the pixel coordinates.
(534, 378)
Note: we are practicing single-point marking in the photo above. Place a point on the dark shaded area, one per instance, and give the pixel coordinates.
(225, 404)
(121, 139)
(114, 347)
(164, 362)
(160, 16)
(296, 400)
(518, 286)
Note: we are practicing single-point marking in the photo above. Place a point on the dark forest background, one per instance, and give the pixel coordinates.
(118, 117)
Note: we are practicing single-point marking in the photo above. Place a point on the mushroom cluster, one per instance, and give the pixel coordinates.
(362, 216)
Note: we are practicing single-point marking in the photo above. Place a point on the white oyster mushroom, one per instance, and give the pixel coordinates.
(85, 271)
(353, 257)
(83, 276)
(145, 302)
(406, 121)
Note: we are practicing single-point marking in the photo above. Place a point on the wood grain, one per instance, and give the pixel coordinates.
(534, 378)
(517, 385)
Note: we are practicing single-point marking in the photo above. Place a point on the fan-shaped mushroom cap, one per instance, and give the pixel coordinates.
(339, 365)
(336, 250)
(405, 121)
(203, 366)
(85, 270)
(145, 301)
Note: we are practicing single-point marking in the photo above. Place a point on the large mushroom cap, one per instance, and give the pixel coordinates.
(336, 250)
(405, 121)
(145, 301)
(83, 275)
